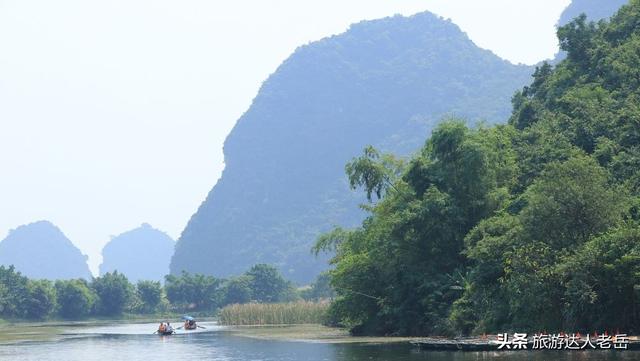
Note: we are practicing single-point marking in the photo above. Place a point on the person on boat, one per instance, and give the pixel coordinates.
(161, 328)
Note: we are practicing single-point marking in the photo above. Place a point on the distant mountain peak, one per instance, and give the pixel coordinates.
(41, 250)
(40, 224)
(142, 253)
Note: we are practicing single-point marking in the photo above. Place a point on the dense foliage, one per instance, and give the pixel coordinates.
(75, 298)
(149, 296)
(527, 226)
(193, 291)
(112, 295)
(266, 284)
(262, 283)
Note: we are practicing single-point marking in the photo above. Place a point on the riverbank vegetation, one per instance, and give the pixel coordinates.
(529, 226)
(301, 312)
(113, 296)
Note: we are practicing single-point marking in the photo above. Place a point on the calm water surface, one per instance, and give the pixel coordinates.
(134, 342)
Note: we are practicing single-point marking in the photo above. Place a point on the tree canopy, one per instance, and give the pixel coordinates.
(114, 293)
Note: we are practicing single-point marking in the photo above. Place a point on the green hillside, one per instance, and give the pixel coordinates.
(529, 226)
(385, 82)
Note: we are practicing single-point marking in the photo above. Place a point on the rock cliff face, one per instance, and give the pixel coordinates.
(143, 253)
(40, 250)
(384, 82)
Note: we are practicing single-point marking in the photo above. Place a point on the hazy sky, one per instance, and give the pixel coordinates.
(113, 113)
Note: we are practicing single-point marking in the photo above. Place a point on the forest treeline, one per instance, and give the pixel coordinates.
(528, 226)
(112, 295)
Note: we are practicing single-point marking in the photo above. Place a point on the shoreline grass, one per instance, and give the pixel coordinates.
(292, 313)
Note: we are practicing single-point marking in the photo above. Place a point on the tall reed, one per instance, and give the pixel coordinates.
(302, 312)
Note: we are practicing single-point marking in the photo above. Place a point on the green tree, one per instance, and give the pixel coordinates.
(571, 202)
(576, 38)
(238, 290)
(603, 282)
(15, 292)
(374, 172)
(398, 272)
(196, 291)
(150, 295)
(75, 298)
(114, 293)
(42, 299)
(518, 257)
(267, 285)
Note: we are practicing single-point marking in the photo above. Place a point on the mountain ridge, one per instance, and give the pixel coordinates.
(142, 253)
(40, 250)
(381, 82)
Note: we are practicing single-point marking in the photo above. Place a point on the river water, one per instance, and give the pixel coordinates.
(134, 342)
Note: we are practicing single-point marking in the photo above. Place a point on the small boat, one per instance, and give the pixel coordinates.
(189, 323)
(165, 329)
